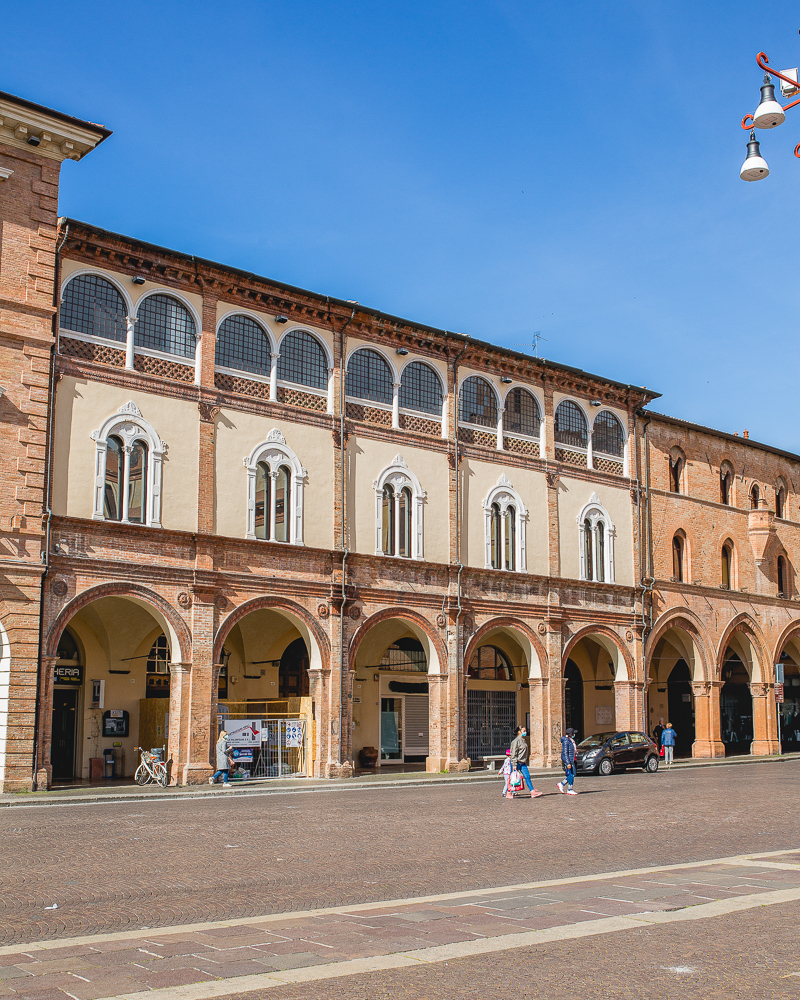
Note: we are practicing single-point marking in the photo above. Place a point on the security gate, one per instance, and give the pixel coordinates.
(491, 721)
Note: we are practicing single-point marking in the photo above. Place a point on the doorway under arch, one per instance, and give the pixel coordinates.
(573, 698)
(736, 706)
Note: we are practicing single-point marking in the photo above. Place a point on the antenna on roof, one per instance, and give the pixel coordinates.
(537, 336)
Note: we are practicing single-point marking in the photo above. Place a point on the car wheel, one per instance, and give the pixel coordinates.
(606, 767)
(652, 764)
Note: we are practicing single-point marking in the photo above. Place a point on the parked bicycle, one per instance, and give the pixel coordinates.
(152, 767)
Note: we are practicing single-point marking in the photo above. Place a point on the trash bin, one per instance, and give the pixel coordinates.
(108, 763)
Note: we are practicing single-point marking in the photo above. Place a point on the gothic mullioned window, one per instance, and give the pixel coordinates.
(399, 504)
(275, 488)
(505, 517)
(596, 536)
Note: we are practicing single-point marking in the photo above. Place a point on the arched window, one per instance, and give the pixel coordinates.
(505, 518)
(421, 389)
(596, 534)
(570, 425)
(398, 512)
(490, 664)
(128, 462)
(677, 558)
(92, 305)
(158, 659)
(780, 500)
(477, 403)
(608, 437)
(165, 324)
(676, 464)
(273, 490)
(726, 574)
(783, 578)
(522, 414)
(755, 494)
(726, 483)
(243, 346)
(302, 360)
(275, 484)
(405, 654)
(369, 377)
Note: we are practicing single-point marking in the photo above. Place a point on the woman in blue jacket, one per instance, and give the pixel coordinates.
(668, 743)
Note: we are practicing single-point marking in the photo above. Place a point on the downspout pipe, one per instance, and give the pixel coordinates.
(343, 499)
(459, 673)
(48, 510)
(646, 581)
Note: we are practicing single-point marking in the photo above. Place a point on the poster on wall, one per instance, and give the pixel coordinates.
(603, 715)
(294, 734)
(242, 754)
(244, 732)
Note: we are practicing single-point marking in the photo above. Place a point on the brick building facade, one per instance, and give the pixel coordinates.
(222, 494)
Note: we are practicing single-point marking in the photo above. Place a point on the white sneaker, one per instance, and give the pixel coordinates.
(227, 784)
(571, 791)
(561, 787)
(211, 781)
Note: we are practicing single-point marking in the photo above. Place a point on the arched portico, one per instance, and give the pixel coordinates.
(401, 692)
(597, 662)
(787, 654)
(108, 682)
(506, 683)
(678, 688)
(748, 720)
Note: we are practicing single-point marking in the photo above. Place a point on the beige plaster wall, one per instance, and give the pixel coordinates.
(573, 495)
(366, 460)
(477, 479)
(237, 435)
(82, 406)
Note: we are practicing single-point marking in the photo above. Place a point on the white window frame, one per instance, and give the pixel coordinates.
(623, 458)
(504, 495)
(422, 414)
(399, 476)
(312, 390)
(526, 437)
(275, 452)
(129, 425)
(180, 359)
(596, 513)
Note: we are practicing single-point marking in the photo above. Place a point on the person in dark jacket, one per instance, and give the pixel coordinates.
(569, 751)
(519, 760)
(659, 729)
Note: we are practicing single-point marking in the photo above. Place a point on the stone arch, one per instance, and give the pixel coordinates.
(792, 631)
(171, 622)
(424, 631)
(743, 623)
(689, 622)
(531, 644)
(313, 634)
(606, 637)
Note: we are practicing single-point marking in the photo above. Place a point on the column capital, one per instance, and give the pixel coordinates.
(179, 668)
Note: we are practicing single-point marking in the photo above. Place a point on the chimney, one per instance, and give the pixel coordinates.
(746, 433)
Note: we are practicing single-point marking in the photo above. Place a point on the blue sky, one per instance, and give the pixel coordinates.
(493, 167)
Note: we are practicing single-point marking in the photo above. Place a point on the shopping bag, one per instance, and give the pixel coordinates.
(516, 780)
(661, 752)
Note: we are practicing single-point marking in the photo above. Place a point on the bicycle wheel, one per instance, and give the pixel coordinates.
(161, 774)
(142, 776)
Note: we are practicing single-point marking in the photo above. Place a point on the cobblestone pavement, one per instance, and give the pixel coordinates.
(116, 868)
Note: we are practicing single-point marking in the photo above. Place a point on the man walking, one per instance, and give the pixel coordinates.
(568, 753)
(659, 729)
(519, 760)
(668, 740)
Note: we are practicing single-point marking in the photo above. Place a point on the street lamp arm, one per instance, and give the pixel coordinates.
(763, 62)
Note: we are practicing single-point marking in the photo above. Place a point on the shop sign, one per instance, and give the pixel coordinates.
(779, 693)
(72, 675)
(243, 733)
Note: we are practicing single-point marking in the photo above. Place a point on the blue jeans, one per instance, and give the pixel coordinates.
(569, 774)
(526, 774)
(223, 773)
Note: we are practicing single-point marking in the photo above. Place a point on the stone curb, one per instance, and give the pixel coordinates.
(304, 786)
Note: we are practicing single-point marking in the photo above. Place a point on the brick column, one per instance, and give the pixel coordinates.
(438, 715)
(196, 710)
(765, 723)
(178, 739)
(318, 687)
(206, 468)
(207, 345)
(44, 769)
(625, 693)
(553, 727)
(707, 742)
(538, 688)
(549, 430)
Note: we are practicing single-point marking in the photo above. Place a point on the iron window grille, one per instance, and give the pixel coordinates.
(243, 346)
(92, 305)
(477, 403)
(607, 435)
(302, 360)
(420, 389)
(158, 657)
(403, 655)
(522, 413)
(369, 377)
(570, 425)
(164, 324)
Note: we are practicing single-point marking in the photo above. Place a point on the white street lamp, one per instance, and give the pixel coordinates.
(768, 113)
(755, 166)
